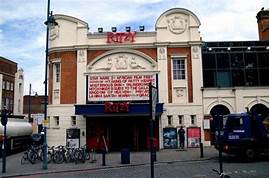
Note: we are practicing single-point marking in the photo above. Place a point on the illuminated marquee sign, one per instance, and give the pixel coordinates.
(119, 87)
(120, 37)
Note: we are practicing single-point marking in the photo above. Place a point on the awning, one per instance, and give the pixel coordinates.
(134, 109)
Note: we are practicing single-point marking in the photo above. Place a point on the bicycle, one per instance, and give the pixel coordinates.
(221, 174)
(29, 155)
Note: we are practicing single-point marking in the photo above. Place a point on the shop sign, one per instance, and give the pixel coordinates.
(120, 37)
(119, 87)
(112, 107)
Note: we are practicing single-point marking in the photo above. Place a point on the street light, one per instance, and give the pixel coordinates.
(30, 119)
(50, 22)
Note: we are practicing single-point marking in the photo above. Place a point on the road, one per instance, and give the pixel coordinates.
(236, 169)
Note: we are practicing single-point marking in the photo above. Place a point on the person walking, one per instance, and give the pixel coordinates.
(181, 135)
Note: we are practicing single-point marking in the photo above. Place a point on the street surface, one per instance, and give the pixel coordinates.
(258, 169)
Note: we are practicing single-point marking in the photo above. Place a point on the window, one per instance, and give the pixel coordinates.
(223, 61)
(57, 72)
(11, 86)
(179, 68)
(7, 104)
(180, 119)
(7, 85)
(56, 94)
(224, 78)
(20, 88)
(73, 121)
(11, 104)
(56, 120)
(4, 85)
(234, 122)
(3, 103)
(210, 62)
(169, 120)
(193, 119)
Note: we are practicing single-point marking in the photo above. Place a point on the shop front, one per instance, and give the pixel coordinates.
(113, 130)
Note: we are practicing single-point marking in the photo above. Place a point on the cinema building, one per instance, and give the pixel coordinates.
(99, 83)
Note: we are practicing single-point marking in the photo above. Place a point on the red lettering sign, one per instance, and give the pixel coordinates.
(111, 107)
(119, 88)
(120, 37)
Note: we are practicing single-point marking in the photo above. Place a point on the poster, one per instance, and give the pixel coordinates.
(170, 138)
(193, 135)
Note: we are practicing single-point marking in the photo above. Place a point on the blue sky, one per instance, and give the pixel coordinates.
(22, 29)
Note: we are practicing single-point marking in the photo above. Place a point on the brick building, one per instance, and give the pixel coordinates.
(11, 86)
(263, 24)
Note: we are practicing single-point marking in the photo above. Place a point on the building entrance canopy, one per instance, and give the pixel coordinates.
(117, 108)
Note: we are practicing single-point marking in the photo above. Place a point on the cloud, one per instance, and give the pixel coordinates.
(1, 36)
(21, 10)
(22, 32)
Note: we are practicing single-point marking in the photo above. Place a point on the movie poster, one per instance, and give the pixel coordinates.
(170, 138)
(193, 135)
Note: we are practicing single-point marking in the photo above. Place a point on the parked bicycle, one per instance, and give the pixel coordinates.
(57, 154)
(32, 154)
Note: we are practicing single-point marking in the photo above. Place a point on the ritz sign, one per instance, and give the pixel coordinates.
(120, 37)
(113, 107)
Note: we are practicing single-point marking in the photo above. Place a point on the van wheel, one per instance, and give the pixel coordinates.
(250, 154)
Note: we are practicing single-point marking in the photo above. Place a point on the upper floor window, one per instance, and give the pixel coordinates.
(7, 85)
(11, 86)
(4, 85)
(57, 72)
(20, 87)
(179, 68)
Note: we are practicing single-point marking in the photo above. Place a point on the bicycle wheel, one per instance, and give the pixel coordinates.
(32, 156)
(87, 155)
(58, 158)
(49, 157)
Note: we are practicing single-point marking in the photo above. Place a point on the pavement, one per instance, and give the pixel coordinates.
(112, 160)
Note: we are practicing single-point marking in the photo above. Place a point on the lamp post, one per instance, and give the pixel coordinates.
(50, 22)
(30, 119)
(152, 109)
(4, 119)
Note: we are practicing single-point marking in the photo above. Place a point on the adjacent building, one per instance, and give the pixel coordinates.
(33, 109)
(11, 86)
(99, 82)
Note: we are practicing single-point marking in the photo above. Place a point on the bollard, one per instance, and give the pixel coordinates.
(201, 150)
(103, 158)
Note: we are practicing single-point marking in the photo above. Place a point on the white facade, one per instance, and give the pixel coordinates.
(18, 92)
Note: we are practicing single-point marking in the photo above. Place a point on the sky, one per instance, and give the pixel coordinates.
(23, 33)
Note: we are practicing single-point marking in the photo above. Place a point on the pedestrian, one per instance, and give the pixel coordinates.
(181, 135)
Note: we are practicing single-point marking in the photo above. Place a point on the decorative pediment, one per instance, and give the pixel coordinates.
(177, 20)
(122, 61)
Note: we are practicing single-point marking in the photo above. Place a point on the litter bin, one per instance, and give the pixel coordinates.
(125, 156)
